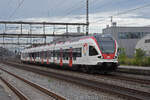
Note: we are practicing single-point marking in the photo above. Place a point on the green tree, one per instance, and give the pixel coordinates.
(139, 56)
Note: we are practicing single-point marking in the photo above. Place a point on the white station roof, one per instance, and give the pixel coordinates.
(144, 44)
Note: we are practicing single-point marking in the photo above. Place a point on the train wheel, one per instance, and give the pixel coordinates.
(92, 71)
(85, 69)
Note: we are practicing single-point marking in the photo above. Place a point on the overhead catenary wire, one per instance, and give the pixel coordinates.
(93, 2)
(80, 7)
(19, 5)
(123, 12)
(133, 9)
(75, 8)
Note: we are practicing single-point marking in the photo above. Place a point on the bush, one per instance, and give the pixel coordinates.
(122, 56)
(139, 54)
(146, 61)
(139, 58)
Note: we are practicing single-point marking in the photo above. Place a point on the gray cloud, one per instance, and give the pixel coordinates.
(51, 8)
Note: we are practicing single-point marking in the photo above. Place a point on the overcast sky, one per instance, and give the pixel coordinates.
(74, 11)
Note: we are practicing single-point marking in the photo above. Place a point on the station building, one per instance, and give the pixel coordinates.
(127, 37)
(144, 44)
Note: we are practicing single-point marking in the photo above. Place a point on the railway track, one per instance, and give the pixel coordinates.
(21, 95)
(127, 93)
(126, 78)
(137, 80)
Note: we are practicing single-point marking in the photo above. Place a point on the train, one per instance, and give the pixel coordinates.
(93, 53)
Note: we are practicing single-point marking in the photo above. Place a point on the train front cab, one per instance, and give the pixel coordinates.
(104, 54)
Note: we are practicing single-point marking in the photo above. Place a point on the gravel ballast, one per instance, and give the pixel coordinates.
(99, 78)
(26, 89)
(69, 90)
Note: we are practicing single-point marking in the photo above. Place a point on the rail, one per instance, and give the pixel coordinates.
(44, 90)
(15, 90)
(104, 87)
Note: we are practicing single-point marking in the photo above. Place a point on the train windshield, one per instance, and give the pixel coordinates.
(106, 44)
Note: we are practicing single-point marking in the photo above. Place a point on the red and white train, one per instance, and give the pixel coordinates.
(87, 53)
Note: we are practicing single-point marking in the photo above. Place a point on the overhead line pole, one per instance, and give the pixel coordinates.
(87, 17)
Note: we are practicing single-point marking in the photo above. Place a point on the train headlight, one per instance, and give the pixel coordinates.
(100, 57)
(115, 57)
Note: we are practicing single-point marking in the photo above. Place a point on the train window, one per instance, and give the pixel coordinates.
(49, 54)
(147, 41)
(74, 57)
(74, 54)
(33, 55)
(30, 55)
(79, 50)
(41, 54)
(57, 54)
(92, 51)
(54, 53)
(45, 54)
(61, 53)
(27, 55)
(66, 53)
(37, 54)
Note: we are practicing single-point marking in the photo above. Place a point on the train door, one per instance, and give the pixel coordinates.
(47, 53)
(85, 58)
(61, 57)
(85, 50)
(93, 53)
(34, 56)
(54, 53)
(42, 56)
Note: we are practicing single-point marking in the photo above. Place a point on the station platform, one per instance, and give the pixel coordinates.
(3, 94)
(134, 69)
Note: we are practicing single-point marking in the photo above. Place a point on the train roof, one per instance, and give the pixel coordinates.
(78, 38)
(70, 39)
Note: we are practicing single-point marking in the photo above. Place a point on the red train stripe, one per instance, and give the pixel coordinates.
(47, 61)
(61, 62)
(42, 61)
(70, 61)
